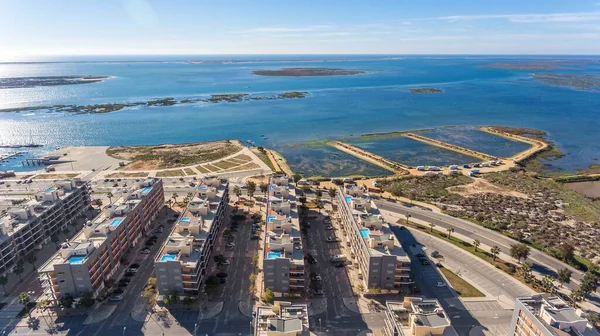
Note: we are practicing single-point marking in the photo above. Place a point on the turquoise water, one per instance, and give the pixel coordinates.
(146, 190)
(168, 257)
(51, 189)
(203, 187)
(472, 138)
(413, 153)
(115, 222)
(273, 255)
(364, 233)
(75, 260)
(186, 219)
(327, 161)
(270, 218)
(337, 106)
(348, 199)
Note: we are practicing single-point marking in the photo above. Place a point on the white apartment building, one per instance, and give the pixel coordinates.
(283, 319)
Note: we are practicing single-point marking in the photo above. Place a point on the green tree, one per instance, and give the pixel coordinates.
(564, 276)
(255, 258)
(54, 238)
(495, 251)
(86, 300)
(302, 200)
(66, 301)
(319, 193)
(268, 296)
(99, 203)
(24, 299)
(407, 215)
(589, 283)
(263, 187)
(476, 243)
(3, 282)
(212, 282)
(577, 295)
(251, 188)
(547, 283)
(526, 271)
(297, 178)
(566, 251)
(237, 191)
(174, 197)
(189, 195)
(110, 196)
(431, 226)
(332, 192)
(220, 259)
(19, 269)
(450, 229)
(519, 251)
(31, 258)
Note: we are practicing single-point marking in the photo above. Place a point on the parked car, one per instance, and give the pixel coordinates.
(329, 227)
(254, 237)
(340, 264)
(119, 291)
(317, 292)
(129, 274)
(317, 277)
(230, 244)
(116, 298)
(134, 266)
(226, 262)
(440, 284)
(222, 275)
(222, 280)
(145, 251)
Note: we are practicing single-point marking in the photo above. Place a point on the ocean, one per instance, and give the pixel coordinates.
(378, 100)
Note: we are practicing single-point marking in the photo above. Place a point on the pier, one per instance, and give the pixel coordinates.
(537, 145)
(35, 162)
(380, 161)
(454, 148)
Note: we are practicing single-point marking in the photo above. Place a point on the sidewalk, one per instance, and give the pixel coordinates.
(100, 314)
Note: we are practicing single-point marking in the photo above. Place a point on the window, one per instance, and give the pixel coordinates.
(79, 279)
(61, 273)
(81, 286)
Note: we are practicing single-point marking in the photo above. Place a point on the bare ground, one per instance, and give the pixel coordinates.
(481, 186)
(54, 176)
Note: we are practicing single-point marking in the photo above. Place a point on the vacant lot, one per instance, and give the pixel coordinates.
(170, 173)
(127, 175)
(173, 156)
(54, 176)
(225, 164)
(460, 285)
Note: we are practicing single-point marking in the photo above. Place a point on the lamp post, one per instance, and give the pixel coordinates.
(195, 328)
(124, 328)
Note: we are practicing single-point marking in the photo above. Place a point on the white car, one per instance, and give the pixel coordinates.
(226, 262)
(145, 251)
(440, 284)
(116, 298)
(230, 244)
(132, 270)
(329, 227)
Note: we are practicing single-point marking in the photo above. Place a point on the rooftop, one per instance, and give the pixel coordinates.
(96, 231)
(290, 318)
(190, 233)
(423, 312)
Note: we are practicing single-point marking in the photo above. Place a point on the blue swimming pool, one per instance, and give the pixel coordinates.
(270, 218)
(168, 257)
(75, 260)
(51, 189)
(364, 233)
(272, 186)
(146, 190)
(203, 187)
(115, 222)
(273, 255)
(186, 219)
(348, 199)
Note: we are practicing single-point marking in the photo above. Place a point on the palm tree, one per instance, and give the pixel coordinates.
(476, 243)
(547, 283)
(332, 192)
(190, 196)
(18, 269)
(174, 197)
(494, 251)
(564, 276)
(31, 258)
(169, 202)
(407, 217)
(3, 282)
(526, 270)
(99, 203)
(450, 229)
(24, 299)
(110, 196)
(431, 225)
(263, 187)
(251, 188)
(237, 191)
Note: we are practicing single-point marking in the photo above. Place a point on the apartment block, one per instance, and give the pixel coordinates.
(417, 317)
(543, 315)
(283, 261)
(283, 319)
(92, 257)
(180, 265)
(30, 225)
(381, 261)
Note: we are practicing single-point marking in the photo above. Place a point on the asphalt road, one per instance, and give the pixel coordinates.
(541, 262)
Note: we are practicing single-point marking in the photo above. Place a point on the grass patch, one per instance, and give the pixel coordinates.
(242, 158)
(246, 166)
(264, 158)
(170, 173)
(225, 164)
(54, 176)
(212, 168)
(460, 285)
(126, 175)
(189, 171)
(202, 169)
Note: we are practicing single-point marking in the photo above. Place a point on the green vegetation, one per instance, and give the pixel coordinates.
(582, 82)
(247, 166)
(225, 164)
(170, 173)
(262, 155)
(460, 285)
(426, 90)
(425, 189)
(230, 98)
(189, 171)
(202, 169)
(212, 168)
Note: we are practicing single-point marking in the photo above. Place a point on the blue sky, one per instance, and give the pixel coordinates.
(81, 27)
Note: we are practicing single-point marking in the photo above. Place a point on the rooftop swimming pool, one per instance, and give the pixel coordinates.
(272, 186)
(270, 218)
(203, 187)
(168, 257)
(51, 189)
(273, 255)
(186, 219)
(75, 260)
(115, 222)
(364, 233)
(146, 190)
(348, 199)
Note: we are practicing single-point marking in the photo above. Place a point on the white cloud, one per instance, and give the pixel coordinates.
(267, 30)
(526, 18)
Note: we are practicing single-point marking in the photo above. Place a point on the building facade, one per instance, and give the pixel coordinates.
(381, 261)
(283, 262)
(28, 226)
(542, 315)
(180, 265)
(416, 317)
(88, 261)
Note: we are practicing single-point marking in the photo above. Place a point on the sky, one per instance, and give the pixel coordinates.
(32, 28)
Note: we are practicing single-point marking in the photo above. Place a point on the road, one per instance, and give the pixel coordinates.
(542, 263)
